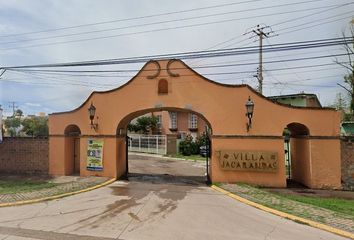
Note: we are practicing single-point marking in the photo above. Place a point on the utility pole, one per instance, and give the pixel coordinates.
(13, 106)
(261, 31)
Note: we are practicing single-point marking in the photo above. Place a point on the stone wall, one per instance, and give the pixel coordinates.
(347, 149)
(24, 155)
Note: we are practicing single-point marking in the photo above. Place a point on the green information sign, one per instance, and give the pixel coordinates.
(94, 155)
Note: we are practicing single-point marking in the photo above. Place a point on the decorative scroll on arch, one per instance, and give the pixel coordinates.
(158, 70)
(169, 70)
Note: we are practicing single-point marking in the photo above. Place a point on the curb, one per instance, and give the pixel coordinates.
(286, 215)
(57, 196)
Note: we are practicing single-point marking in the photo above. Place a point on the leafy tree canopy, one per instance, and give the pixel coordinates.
(144, 124)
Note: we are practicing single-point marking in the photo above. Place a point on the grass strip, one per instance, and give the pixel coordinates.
(17, 186)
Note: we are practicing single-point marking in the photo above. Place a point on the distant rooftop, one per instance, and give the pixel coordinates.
(347, 128)
(290, 99)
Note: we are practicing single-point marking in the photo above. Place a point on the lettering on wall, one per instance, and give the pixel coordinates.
(259, 161)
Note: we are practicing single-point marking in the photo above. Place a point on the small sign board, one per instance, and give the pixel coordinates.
(95, 155)
(260, 161)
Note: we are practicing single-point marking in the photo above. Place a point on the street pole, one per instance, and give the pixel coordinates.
(260, 72)
(260, 31)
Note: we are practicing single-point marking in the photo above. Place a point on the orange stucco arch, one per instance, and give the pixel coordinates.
(223, 106)
(300, 157)
(72, 129)
(298, 129)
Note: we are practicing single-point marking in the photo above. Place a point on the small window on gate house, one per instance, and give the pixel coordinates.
(163, 86)
(173, 121)
(159, 121)
(193, 122)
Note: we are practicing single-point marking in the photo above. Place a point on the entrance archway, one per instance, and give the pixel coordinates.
(72, 149)
(172, 85)
(297, 154)
(204, 127)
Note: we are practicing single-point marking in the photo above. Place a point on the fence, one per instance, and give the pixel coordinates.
(347, 151)
(148, 143)
(24, 155)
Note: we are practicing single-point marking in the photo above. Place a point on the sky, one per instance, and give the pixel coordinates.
(39, 32)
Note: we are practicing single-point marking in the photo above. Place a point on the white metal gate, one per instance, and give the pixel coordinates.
(147, 143)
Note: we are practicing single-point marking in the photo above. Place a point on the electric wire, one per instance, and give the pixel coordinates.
(62, 72)
(153, 30)
(130, 19)
(201, 54)
(173, 20)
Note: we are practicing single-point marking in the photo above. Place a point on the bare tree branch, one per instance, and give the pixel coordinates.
(344, 87)
(343, 65)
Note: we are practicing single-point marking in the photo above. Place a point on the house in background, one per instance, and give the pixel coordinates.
(181, 123)
(298, 100)
(347, 129)
(178, 123)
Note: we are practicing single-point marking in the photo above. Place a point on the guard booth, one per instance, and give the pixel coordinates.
(246, 129)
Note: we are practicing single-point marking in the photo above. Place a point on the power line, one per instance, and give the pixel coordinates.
(65, 72)
(283, 62)
(307, 23)
(312, 14)
(153, 30)
(241, 72)
(199, 54)
(275, 24)
(130, 19)
(173, 20)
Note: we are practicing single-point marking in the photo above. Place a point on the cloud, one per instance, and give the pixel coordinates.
(33, 104)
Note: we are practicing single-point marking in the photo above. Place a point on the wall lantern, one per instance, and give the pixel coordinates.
(92, 112)
(249, 112)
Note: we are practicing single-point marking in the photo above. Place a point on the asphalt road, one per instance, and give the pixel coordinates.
(171, 202)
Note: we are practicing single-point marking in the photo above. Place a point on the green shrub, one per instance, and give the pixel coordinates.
(189, 147)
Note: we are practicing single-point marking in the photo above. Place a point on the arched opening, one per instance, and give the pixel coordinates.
(297, 154)
(72, 149)
(155, 151)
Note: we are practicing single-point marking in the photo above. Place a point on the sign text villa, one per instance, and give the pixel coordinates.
(248, 160)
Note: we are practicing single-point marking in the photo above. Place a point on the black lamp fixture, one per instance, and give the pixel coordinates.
(92, 112)
(249, 112)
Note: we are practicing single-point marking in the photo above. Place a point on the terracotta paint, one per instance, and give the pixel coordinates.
(222, 107)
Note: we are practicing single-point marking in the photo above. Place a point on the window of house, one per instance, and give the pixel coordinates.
(193, 121)
(173, 120)
(159, 121)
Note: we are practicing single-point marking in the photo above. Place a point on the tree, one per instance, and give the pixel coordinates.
(12, 125)
(19, 113)
(35, 126)
(144, 124)
(341, 104)
(348, 85)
